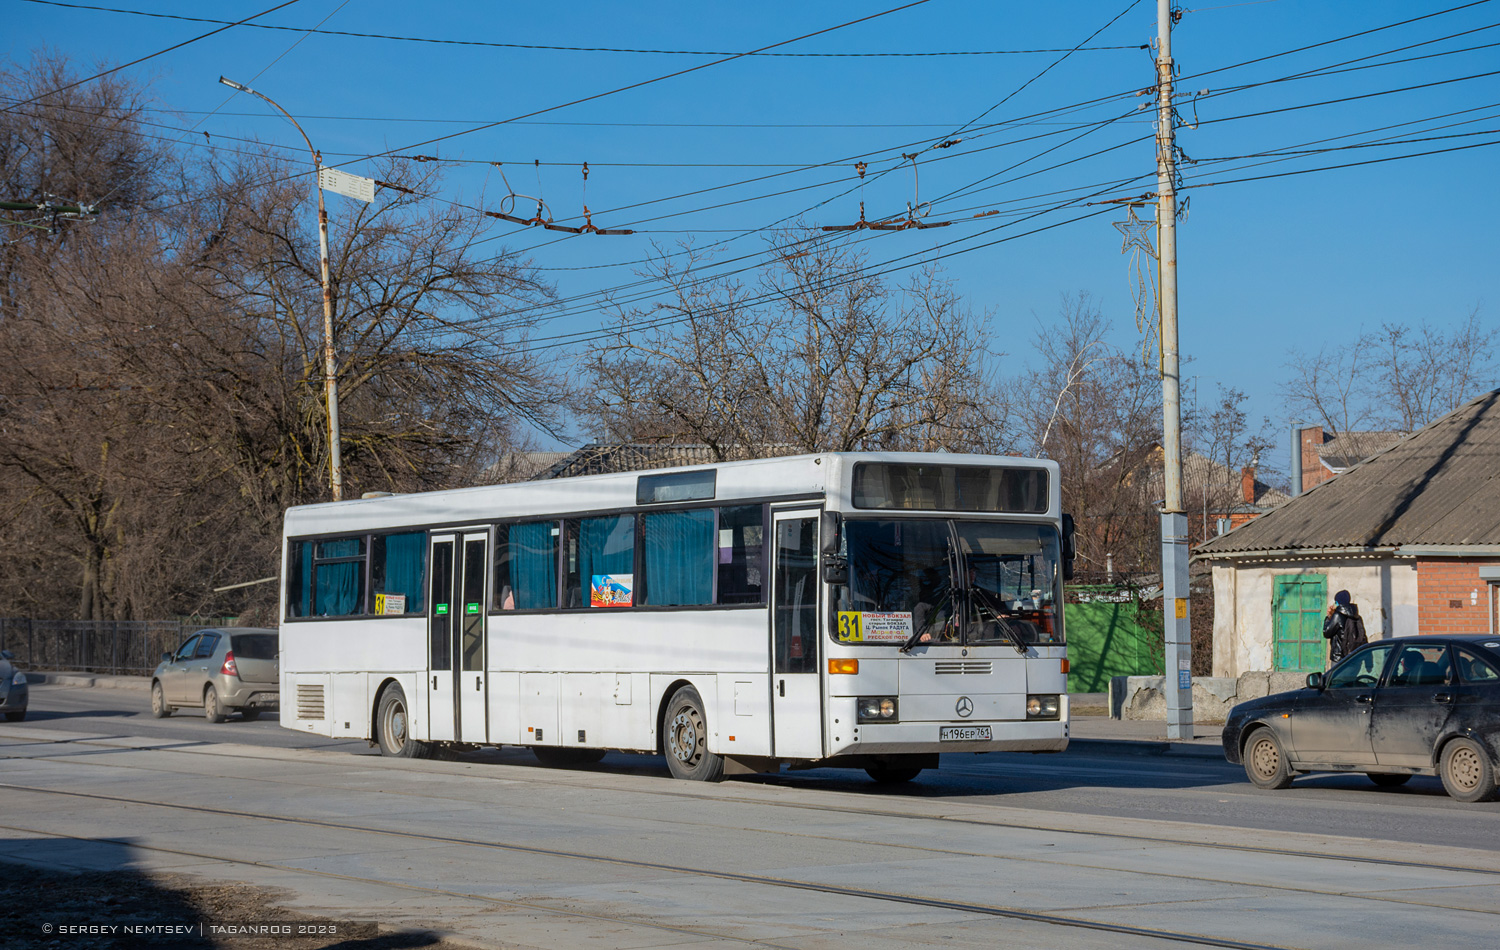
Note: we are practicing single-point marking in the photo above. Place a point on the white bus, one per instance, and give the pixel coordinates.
(864, 610)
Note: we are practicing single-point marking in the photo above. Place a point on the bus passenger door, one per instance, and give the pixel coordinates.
(442, 716)
(471, 684)
(796, 693)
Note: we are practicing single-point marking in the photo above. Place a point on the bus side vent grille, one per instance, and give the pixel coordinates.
(310, 701)
(981, 667)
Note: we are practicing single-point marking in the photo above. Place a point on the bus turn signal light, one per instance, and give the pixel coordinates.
(1065, 664)
(843, 666)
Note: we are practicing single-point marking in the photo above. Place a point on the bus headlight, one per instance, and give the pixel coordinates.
(1044, 706)
(876, 709)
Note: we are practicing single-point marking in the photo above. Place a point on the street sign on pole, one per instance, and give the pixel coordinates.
(350, 186)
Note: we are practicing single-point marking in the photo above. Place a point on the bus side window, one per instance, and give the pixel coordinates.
(741, 554)
(678, 556)
(339, 578)
(299, 579)
(398, 572)
(601, 562)
(525, 566)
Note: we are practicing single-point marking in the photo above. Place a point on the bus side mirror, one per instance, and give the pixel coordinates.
(1069, 545)
(830, 532)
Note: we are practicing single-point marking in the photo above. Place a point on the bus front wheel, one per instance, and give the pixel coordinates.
(686, 739)
(392, 725)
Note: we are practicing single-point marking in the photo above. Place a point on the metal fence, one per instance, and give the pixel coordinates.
(92, 646)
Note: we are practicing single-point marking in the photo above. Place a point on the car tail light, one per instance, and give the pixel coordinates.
(228, 669)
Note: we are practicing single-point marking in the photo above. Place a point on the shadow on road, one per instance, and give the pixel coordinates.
(110, 903)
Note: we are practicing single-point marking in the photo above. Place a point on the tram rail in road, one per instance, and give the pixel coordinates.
(948, 856)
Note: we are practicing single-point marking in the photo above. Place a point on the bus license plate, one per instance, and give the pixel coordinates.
(963, 733)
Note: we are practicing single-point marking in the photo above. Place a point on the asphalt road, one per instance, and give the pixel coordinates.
(1074, 852)
(1182, 787)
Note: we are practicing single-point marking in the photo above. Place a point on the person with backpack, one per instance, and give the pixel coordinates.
(1343, 628)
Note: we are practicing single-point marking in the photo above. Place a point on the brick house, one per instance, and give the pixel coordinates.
(1327, 453)
(1412, 532)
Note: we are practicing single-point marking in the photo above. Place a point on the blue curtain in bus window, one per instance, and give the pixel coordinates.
(533, 565)
(679, 558)
(606, 547)
(405, 568)
(338, 588)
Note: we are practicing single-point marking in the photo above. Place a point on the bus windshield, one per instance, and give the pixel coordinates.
(959, 582)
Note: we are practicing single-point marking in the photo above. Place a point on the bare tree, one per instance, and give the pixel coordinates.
(1398, 377)
(1096, 410)
(821, 356)
(164, 405)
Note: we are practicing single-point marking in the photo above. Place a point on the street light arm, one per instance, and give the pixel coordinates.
(330, 362)
(241, 87)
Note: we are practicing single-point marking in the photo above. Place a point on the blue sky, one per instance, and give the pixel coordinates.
(1269, 267)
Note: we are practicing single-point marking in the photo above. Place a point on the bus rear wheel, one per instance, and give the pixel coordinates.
(685, 739)
(392, 725)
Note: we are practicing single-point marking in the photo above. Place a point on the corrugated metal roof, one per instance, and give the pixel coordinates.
(1439, 485)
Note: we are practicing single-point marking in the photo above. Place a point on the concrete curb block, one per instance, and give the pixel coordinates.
(1146, 747)
(88, 679)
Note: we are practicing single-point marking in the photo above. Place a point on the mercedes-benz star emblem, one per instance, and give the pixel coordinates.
(964, 707)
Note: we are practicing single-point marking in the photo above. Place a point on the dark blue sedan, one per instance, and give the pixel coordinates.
(1426, 705)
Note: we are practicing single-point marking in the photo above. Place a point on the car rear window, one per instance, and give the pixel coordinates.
(254, 646)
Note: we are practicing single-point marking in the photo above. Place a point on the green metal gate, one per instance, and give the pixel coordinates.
(1298, 605)
(1111, 632)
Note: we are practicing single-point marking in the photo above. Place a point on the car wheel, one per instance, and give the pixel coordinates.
(686, 739)
(1265, 760)
(892, 775)
(249, 715)
(1389, 780)
(556, 758)
(1467, 772)
(212, 711)
(392, 727)
(159, 707)
(15, 715)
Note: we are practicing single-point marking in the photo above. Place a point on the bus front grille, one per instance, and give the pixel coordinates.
(310, 701)
(964, 667)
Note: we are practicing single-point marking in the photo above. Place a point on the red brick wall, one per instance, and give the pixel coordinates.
(1445, 587)
(1313, 472)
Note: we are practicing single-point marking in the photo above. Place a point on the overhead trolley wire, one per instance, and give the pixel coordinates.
(584, 49)
(1338, 39)
(175, 46)
(647, 82)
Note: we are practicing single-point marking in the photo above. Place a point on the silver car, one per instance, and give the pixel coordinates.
(222, 672)
(14, 693)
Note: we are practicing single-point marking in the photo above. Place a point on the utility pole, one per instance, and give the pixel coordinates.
(1177, 629)
(330, 364)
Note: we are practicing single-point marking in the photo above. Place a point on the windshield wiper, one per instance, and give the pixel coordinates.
(1006, 627)
(923, 630)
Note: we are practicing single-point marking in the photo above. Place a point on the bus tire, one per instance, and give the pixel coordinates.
(392, 722)
(554, 757)
(685, 739)
(892, 774)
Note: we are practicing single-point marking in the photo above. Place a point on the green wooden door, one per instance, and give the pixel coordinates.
(1298, 604)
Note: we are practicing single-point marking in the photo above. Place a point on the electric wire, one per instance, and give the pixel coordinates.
(160, 52)
(579, 49)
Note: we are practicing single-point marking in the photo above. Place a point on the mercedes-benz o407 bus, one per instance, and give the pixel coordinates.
(862, 610)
